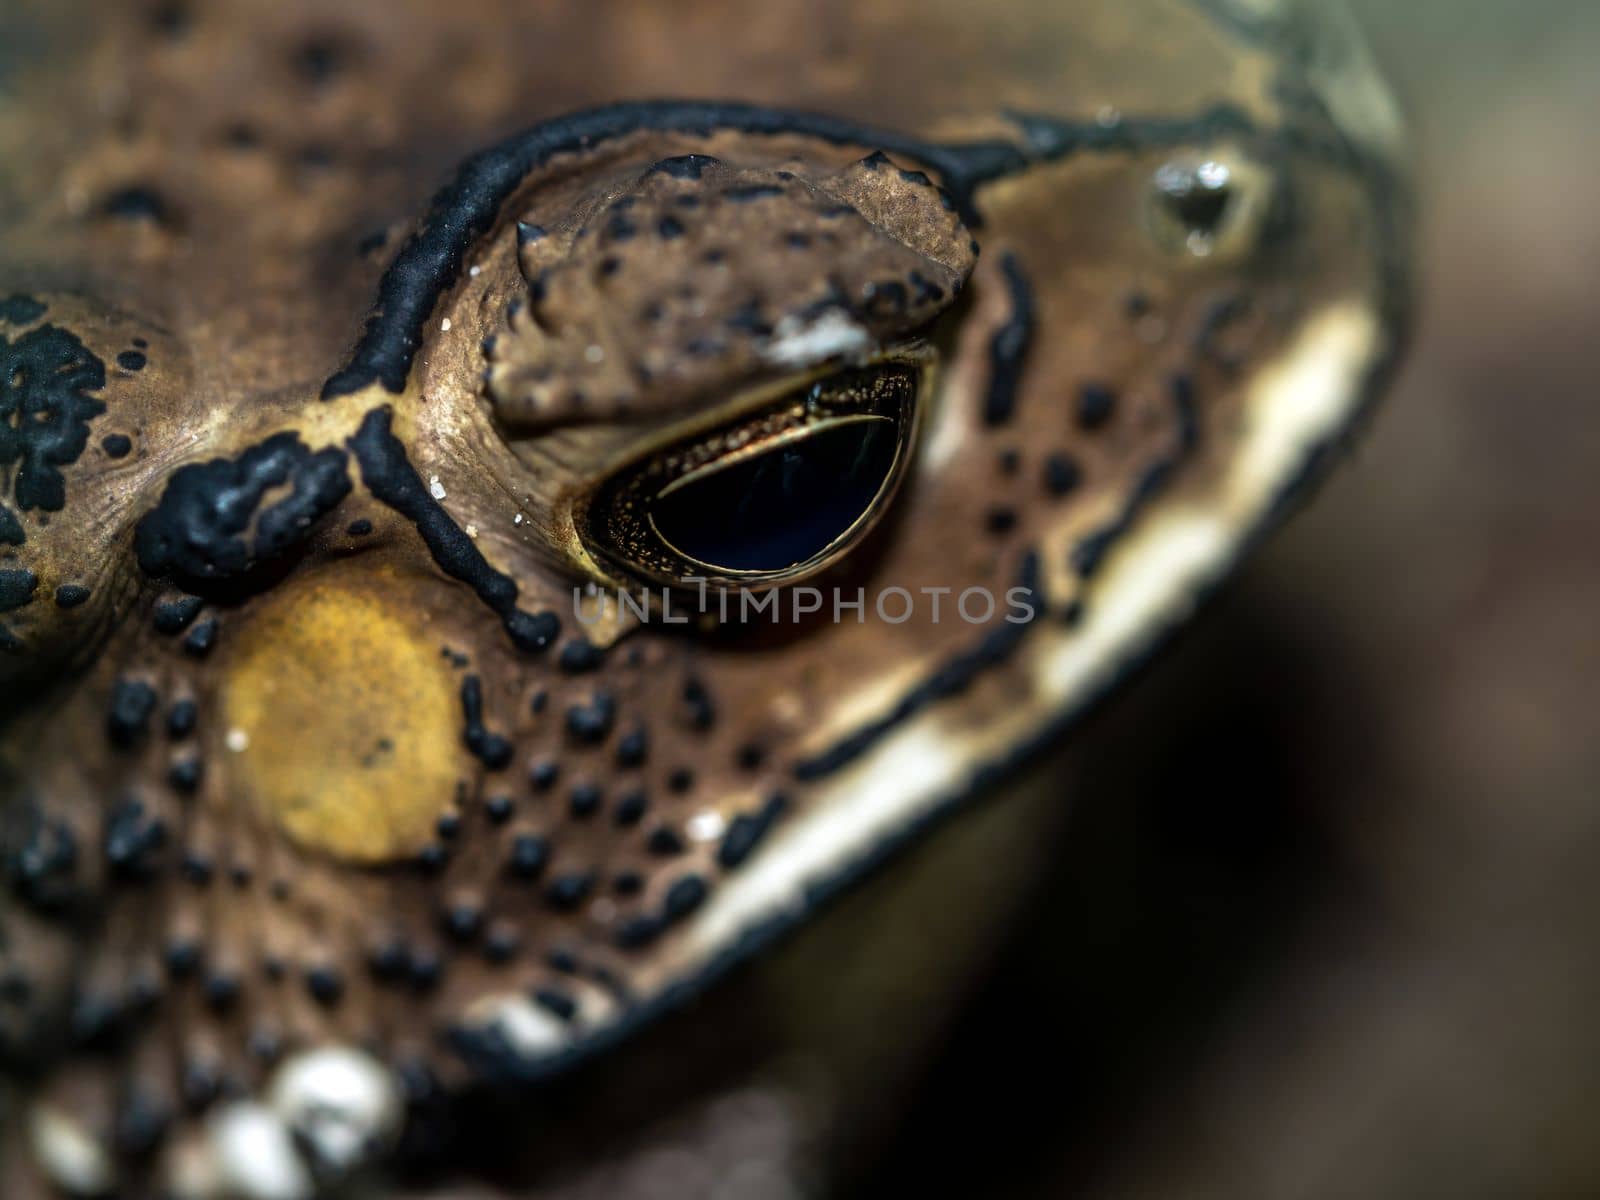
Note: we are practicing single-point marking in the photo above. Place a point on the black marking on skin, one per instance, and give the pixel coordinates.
(116, 445)
(1008, 349)
(1050, 138)
(1090, 552)
(182, 718)
(462, 922)
(584, 801)
(45, 410)
(360, 528)
(319, 61)
(71, 595)
(493, 750)
(953, 678)
(133, 701)
(1096, 404)
(500, 945)
(529, 854)
(630, 809)
(702, 709)
(221, 990)
(210, 525)
(16, 589)
(591, 722)
(138, 203)
(557, 1003)
(683, 896)
(665, 842)
(685, 166)
(544, 774)
(565, 892)
(132, 840)
(11, 531)
(633, 748)
(390, 477)
(20, 310)
(201, 638)
(40, 868)
(580, 656)
(1222, 314)
(1000, 520)
(184, 775)
(1062, 475)
(131, 360)
(746, 830)
(141, 1125)
(325, 985)
(432, 258)
(181, 958)
(745, 193)
(174, 616)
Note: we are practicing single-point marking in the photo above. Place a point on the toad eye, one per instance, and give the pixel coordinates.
(1210, 205)
(776, 494)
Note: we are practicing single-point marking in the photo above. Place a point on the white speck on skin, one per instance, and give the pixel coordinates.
(594, 354)
(256, 1156)
(472, 531)
(706, 826)
(528, 1031)
(798, 343)
(73, 1160)
(435, 488)
(474, 271)
(444, 325)
(236, 740)
(517, 519)
(339, 1102)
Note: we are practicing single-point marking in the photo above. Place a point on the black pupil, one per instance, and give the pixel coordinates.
(781, 508)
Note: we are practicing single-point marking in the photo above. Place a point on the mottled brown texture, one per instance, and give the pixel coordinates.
(200, 218)
(612, 332)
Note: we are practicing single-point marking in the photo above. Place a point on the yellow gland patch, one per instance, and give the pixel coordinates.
(341, 720)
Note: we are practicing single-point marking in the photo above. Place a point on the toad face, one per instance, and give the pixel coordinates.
(441, 633)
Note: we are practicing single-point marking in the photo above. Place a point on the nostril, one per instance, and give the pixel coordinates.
(1209, 205)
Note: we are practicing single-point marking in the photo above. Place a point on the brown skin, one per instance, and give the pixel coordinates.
(192, 219)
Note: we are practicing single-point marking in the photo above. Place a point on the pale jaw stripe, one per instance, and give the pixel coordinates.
(1147, 586)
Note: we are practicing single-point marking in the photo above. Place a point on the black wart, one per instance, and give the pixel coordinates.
(46, 376)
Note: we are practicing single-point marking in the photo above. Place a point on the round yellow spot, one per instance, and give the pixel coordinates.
(343, 723)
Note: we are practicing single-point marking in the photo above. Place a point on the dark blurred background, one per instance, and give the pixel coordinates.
(1325, 919)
